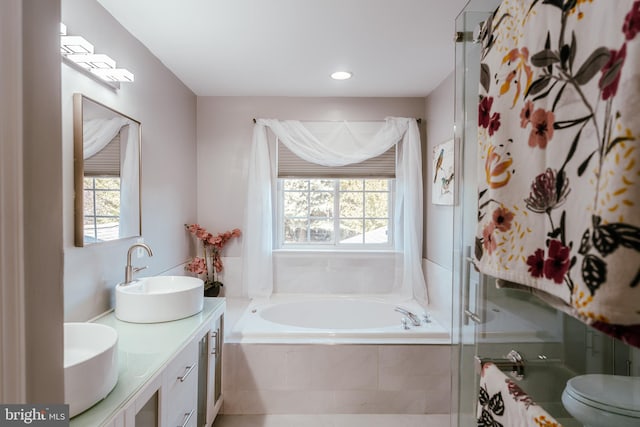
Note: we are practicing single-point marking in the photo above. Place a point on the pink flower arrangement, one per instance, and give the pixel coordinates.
(211, 249)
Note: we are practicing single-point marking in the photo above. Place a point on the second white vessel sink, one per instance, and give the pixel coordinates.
(159, 299)
(90, 364)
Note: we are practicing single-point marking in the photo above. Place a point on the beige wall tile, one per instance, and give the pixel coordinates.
(386, 402)
(347, 367)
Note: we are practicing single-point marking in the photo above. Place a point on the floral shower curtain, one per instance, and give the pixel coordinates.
(344, 145)
(559, 144)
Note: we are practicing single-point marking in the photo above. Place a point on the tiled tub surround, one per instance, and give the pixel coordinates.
(301, 373)
(338, 379)
(315, 375)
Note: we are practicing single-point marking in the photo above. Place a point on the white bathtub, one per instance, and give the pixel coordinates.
(329, 319)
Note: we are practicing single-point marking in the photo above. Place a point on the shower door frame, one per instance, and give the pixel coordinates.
(466, 282)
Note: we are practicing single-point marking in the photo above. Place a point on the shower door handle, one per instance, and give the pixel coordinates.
(471, 315)
(468, 314)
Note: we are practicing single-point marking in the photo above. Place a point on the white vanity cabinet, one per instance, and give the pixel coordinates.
(180, 388)
(143, 410)
(214, 367)
(169, 373)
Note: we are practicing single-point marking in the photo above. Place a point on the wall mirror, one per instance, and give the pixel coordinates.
(107, 165)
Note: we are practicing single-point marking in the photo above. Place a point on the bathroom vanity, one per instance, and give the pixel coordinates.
(169, 373)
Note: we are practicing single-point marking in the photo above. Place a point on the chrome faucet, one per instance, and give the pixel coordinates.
(129, 269)
(414, 319)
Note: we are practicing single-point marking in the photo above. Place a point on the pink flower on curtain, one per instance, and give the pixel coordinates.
(525, 114)
(488, 240)
(542, 128)
(502, 218)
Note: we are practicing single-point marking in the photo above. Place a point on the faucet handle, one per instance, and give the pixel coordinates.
(136, 269)
(405, 323)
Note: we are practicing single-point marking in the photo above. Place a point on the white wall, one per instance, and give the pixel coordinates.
(439, 115)
(438, 243)
(167, 110)
(224, 138)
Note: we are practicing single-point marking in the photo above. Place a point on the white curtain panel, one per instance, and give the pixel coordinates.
(97, 133)
(334, 144)
(130, 181)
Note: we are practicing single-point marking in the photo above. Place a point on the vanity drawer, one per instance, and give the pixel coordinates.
(181, 387)
(186, 418)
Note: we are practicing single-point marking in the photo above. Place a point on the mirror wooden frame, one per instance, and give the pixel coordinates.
(78, 166)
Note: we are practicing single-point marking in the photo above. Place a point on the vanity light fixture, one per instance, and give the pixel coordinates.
(113, 74)
(341, 75)
(92, 60)
(74, 44)
(81, 52)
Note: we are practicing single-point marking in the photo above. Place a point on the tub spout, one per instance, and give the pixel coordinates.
(414, 319)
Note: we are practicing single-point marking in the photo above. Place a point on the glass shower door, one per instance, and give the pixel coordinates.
(490, 322)
(465, 278)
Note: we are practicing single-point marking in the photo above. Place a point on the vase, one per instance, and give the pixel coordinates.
(213, 290)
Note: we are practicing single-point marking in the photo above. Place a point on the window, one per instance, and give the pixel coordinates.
(345, 213)
(101, 208)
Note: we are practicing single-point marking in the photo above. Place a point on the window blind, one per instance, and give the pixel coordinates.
(105, 162)
(292, 166)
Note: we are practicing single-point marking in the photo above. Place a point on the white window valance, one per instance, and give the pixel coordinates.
(334, 144)
(292, 166)
(97, 133)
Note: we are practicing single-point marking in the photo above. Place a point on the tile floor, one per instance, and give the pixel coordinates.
(333, 420)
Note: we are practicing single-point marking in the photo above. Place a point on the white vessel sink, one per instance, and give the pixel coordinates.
(90, 364)
(159, 299)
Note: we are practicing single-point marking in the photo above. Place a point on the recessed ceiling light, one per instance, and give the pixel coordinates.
(341, 75)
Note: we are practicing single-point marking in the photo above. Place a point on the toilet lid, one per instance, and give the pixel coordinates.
(612, 393)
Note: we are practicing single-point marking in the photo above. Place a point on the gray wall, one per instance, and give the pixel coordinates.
(439, 114)
(167, 110)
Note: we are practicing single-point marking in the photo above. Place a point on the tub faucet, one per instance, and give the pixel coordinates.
(129, 269)
(414, 319)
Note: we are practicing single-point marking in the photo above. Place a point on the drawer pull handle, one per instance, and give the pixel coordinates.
(214, 342)
(187, 372)
(187, 417)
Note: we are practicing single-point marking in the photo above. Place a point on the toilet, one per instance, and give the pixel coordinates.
(598, 400)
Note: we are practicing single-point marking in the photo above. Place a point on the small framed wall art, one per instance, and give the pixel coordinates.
(443, 174)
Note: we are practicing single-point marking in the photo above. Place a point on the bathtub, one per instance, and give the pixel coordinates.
(334, 319)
